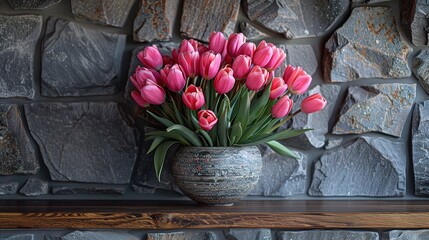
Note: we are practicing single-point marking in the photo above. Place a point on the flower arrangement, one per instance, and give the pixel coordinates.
(223, 94)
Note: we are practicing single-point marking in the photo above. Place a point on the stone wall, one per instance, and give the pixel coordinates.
(68, 128)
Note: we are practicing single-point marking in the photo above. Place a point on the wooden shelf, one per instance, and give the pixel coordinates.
(284, 214)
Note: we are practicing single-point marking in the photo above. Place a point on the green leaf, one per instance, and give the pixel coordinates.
(223, 122)
(206, 136)
(186, 133)
(258, 106)
(177, 113)
(164, 121)
(253, 128)
(243, 111)
(236, 133)
(266, 137)
(159, 157)
(158, 140)
(174, 135)
(281, 149)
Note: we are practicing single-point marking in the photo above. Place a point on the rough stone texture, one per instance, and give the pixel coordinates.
(406, 235)
(155, 20)
(328, 234)
(32, 4)
(281, 176)
(368, 1)
(197, 23)
(298, 55)
(8, 188)
(93, 235)
(18, 39)
(34, 187)
(319, 121)
(420, 148)
(17, 155)
(296, 19)
(378, 52)
(415, 21)
(97, 56)
(182, 236)
(421, 68)
(333, 142)
(83, 142)
(376, 108)
(65, 190)
(17, 237)
(108, 12)
(249, 234)
(251, 32)
(369, 167)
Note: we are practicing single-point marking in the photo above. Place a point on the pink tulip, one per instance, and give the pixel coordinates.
(193, 97)
(263, 54)
(282, 107)
(217, 42)
(276, 60)
(256, 78)
(142, 74)
(296, 79)
(189, 61)
(313, 103)
(187, 46)
(278, 88)
(241, 66)
(138, 99)
(224, 80)
(151, 57)
(167, 60)
(235, 41)
(174, 77)
(150, 93)
(247, 49)
(207, 119)
(209, 64)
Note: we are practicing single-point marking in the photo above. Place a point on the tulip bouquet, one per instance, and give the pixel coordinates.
(223, 94)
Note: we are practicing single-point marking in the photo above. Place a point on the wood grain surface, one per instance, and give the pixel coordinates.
(287, 214)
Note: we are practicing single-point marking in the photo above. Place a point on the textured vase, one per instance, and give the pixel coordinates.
(216, 175)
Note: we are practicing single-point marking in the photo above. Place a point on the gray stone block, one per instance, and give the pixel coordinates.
(8, 188)
(373, 167)
(18, 39)
(421, 68)
(281, 176)
(333, 142)
(99, 235)
(414, 20)
(17, 237)
(248, 234)
(327, 235)
(376, 108)
(155, 20)
(68, 190)
(107, 12)
(420, 147)
(182, 236)
(406, 235)
(251, 32)
(17, 155)
(84, 142)
(96, 55)
(34, 187)
(378, 52)
(296, 19)
(298, 55)
(197, 23)
(32, 4)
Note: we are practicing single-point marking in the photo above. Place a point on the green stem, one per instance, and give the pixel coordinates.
(285, 120)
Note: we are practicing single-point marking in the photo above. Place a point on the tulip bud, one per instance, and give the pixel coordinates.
(217, 42)
(207, 119)
(187, 46)
(256, 78)
(138, 99)
(278, 87)
(247, 49)
(276, 60)
(175, 78)
(263, 54)
(282, 107)
(224, 80)
(150, 92)
(189, 61)
(241, 66)
(151, 57)
(313, 103)
(296, 79)
(193, 97)
(142, 74)
(209, 64)
(235, 41)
